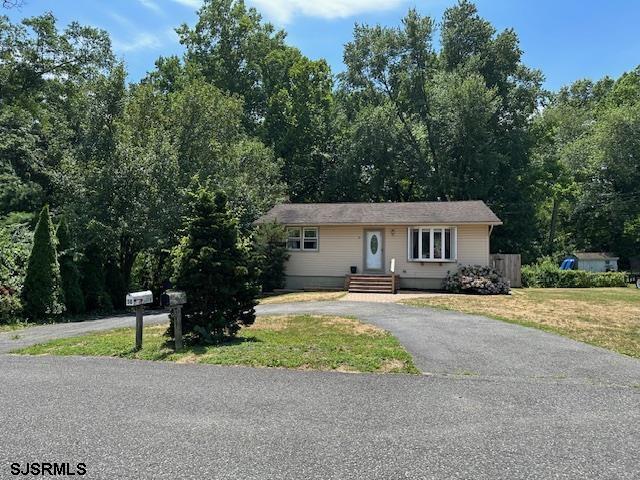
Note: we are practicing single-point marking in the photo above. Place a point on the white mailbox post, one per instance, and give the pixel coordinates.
(175, 299)
(139, 300)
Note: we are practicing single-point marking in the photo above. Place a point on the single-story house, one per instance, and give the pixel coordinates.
(595, 261)
(415, 244)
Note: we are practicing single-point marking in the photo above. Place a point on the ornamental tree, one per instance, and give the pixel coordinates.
(42, 295)
(212, 265)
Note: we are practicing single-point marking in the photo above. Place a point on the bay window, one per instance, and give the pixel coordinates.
(435, 244)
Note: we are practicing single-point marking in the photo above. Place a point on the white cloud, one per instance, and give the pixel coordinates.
(122, 20)
(171, 35)
(283, 11)
(138, 41)
(190, 3)
(152, 5)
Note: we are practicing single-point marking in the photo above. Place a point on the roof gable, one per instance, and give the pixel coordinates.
(398, 213)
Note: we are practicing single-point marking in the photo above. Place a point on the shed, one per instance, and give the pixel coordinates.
(596, 261)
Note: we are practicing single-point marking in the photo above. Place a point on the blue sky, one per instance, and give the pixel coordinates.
(566, 39)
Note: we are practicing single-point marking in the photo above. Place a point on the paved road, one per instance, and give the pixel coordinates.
(42, 333)
(495, 417)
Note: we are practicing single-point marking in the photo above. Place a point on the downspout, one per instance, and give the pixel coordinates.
(489, 245)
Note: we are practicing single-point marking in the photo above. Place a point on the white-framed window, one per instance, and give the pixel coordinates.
(302, 238)
(294, 238)
(310, 238)
(432, 244)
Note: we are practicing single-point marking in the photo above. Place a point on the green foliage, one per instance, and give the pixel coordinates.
(588, 154)
(42, 294)
(229, 45)
(287, 98)
(271, 254)
(476, 279)
(92, 269)
(69, 273)
(43, 75)
(212, 265)
(115, 284)
(15, 246)
(450, 124)
(413, 117)
(151, 269)
(196, 131)
(547, 274)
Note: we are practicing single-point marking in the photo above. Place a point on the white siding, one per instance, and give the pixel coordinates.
(598, 265)
(342, 246)
(338, 249)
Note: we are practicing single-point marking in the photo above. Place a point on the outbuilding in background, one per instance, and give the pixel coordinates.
(595, 261)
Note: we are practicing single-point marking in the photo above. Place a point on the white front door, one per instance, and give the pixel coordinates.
(373, 250)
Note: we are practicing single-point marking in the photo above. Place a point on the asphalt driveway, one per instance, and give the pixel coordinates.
(450, 343)
(500, 401)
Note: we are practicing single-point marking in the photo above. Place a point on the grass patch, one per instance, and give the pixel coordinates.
(607, 317)
(296, 341)
(302, 297)
(10, 327)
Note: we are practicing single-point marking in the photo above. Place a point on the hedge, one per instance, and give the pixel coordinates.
(550, 276)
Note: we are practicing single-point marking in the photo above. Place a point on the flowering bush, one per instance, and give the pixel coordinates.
(476, 279)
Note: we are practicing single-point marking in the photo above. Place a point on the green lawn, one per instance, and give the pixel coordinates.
(300, 342)
(607, 317)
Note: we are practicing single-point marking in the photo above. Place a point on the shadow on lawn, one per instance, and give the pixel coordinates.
(169, 347)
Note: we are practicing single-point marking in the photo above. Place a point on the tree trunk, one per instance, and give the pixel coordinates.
(552, 226)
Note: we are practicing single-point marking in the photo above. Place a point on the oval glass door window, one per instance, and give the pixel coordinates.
(374, 244)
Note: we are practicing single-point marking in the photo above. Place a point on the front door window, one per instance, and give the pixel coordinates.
(373, 244)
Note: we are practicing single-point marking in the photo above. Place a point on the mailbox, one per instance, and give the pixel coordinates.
(139, 298)
(173, 298)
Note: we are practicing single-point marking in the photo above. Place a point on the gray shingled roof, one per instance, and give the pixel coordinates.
(595, 256)
(400, 213)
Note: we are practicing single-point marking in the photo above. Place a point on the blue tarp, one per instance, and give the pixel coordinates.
(568, 264)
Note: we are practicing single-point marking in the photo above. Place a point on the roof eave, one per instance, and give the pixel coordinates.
(343, 224)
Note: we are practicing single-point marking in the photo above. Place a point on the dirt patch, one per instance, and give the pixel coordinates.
(354, 326)
(345, 369)
(302, 297)
(190, 359)
(391, 366)
(274, 323)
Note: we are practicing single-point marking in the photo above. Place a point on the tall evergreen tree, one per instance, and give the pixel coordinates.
(212, 266)
(41, 294)
(271, 254)
(69, 273)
